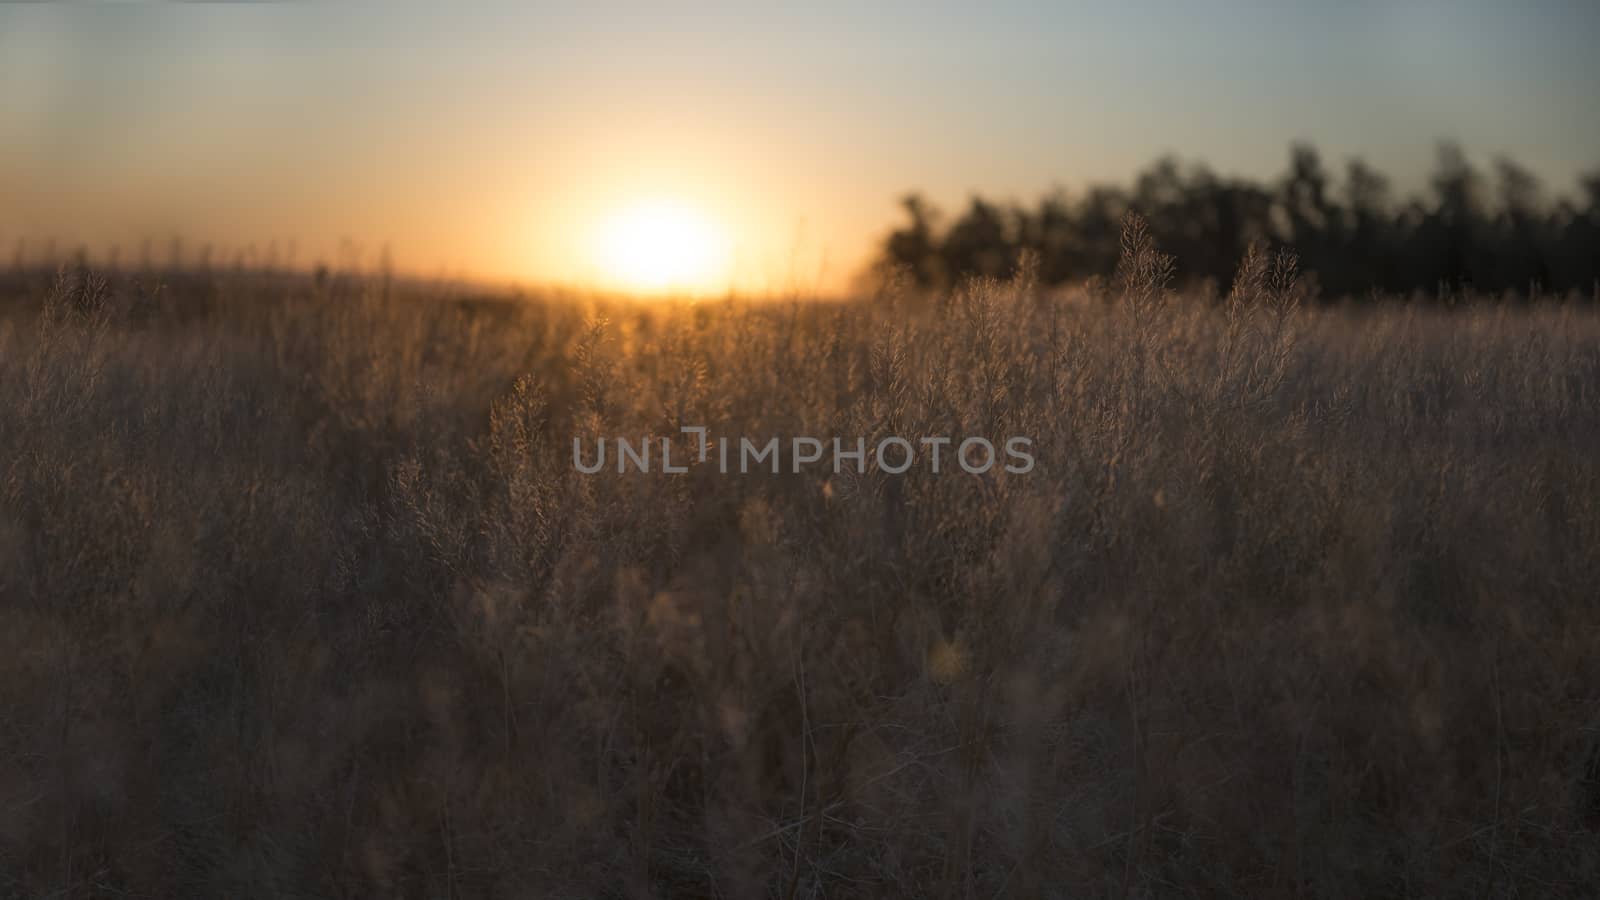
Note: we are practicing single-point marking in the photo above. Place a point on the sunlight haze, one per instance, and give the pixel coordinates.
(494, 140)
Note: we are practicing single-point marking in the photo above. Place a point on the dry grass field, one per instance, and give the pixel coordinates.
(303, 595)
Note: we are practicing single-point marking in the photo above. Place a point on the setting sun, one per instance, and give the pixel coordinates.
(661, 246)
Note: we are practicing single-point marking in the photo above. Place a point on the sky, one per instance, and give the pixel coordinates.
(507, 141)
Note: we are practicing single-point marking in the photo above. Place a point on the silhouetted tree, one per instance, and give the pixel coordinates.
(913, 247)
(1351, 234)
(981, 242)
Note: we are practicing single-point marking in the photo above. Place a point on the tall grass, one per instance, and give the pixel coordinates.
(300, 594)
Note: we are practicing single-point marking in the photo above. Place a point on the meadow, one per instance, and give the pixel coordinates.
(302, 595)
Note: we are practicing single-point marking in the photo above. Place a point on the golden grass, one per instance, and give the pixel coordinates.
(302, 596)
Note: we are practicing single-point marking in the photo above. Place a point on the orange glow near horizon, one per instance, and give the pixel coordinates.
(682, 149)
(661, 246)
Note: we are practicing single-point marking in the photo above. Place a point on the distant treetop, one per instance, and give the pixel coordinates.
(1497, 233)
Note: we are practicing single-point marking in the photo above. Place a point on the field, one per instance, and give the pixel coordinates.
(304, 596)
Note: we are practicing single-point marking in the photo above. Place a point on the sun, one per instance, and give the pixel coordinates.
(661, 246)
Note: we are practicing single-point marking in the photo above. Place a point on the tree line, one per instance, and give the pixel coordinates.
(1495, 231)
